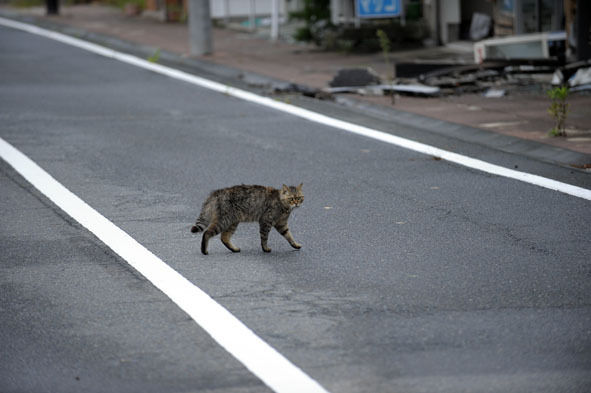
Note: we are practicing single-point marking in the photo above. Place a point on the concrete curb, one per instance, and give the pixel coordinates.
(505, 143)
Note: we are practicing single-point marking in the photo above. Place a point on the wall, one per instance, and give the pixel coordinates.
(241, 8)
(450, 18)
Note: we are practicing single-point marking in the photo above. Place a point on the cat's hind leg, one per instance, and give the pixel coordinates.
(226, 235)
(212, 230)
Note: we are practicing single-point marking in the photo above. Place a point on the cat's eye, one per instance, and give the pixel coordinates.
(295, 200)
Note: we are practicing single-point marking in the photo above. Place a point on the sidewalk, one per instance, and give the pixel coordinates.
(522, 113)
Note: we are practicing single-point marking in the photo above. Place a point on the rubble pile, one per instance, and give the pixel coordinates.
(492, 78)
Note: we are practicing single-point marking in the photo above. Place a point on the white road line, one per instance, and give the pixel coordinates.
(307, 114)
(235, 337)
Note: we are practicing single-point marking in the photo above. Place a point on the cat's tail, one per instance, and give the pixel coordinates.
(205, 216)
(199, 226)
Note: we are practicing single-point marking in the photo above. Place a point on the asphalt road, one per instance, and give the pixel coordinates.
(416, 275)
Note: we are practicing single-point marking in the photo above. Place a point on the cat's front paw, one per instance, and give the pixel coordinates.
(295, 245)
(266, 249)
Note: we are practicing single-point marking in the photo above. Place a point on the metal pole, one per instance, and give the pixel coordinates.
(226, 11)
(199, 27)
(252, 15)
(274, 19)
(582, 17)
(52, 7)
(335, 11)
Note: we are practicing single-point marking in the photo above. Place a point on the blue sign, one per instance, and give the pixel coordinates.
(507, 5)
(378, 8)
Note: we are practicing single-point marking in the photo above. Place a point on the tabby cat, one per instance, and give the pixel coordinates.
(224, 209)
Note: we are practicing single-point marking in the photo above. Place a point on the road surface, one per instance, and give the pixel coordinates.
(416, 274)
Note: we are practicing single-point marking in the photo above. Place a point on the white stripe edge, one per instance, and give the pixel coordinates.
(229, 332)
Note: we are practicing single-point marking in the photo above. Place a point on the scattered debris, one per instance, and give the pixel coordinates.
(567, 71)
(581, 77)
(343, 89)
(494, 78)
(283, 88)
(524, 46)
(529, 69)
(415, 69)
(480, 26)
(412, 89)
(495, 93)
(279, 87)
(581, 88)
(459, 69)
(355, 77)
(557, 78)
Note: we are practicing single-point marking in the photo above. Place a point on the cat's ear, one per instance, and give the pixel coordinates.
(299, 188)
(284, 189)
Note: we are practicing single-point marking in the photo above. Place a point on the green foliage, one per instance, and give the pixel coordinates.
(558, 109)
(316, 16)
(121, 3)
(313, 11)
(155, 56)
(303, 34)
(364, 39)
(27, 3)
(384, 44)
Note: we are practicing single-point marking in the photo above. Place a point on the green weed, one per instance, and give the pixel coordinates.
(155, 56)
(558, 109)
(27, 3)
(386, 47)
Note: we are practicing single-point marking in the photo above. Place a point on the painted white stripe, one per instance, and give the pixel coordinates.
(307, 114)
(258, 356)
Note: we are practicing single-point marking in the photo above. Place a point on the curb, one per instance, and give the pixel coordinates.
(505, 143)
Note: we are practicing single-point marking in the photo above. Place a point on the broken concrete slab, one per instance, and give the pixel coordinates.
(355, 77)
(557, 78)
(384, 89)
(524, 46)
(415, 89)
(581, 77)
(495, 93)
(529, 69)
(274, 86)
(286, 87)
(417, 68)
(581, 88)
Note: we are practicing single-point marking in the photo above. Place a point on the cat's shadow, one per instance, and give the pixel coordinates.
(283, 254)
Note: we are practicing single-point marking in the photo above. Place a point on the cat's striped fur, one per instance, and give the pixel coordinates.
(224, 209)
